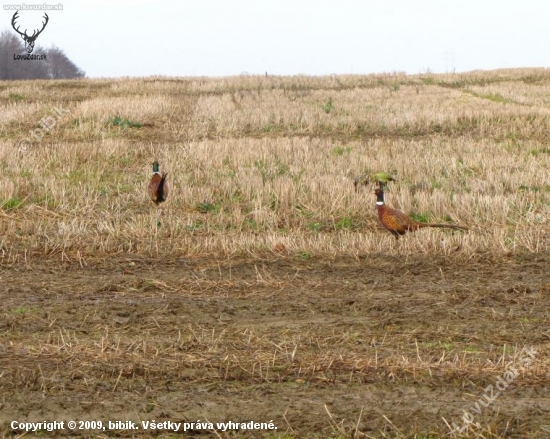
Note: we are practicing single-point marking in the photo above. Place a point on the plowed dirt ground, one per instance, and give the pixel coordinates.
(374, 347)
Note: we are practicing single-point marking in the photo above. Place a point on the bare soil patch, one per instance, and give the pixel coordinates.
(375, 346)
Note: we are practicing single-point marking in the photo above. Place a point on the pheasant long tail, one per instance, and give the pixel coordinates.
(443, 226)
(160, 188)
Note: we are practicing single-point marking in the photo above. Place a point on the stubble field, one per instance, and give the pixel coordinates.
(264, 289)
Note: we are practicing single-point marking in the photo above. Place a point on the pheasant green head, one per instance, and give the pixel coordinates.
(155, 166)
(379, 196)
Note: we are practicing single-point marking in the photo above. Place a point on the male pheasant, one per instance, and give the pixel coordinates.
(397, 223)
(158, 188)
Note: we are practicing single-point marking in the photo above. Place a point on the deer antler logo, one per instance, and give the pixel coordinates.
(29, 40)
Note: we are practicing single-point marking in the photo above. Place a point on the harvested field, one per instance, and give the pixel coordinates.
(264, 289)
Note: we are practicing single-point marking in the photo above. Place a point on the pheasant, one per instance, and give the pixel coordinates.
(397, 223)
(382, 178)
(158, 188)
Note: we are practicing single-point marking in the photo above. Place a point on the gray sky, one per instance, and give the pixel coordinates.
(286, 37)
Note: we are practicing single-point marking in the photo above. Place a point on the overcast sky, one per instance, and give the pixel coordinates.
(287, 37)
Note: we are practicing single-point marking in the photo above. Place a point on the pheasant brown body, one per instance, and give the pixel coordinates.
(158, 188)
(398, 223)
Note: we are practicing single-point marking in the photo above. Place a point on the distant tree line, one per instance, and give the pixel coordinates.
(56, 64)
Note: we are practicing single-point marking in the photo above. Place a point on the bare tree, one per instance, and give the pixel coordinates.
(56, 65)
(60, 66)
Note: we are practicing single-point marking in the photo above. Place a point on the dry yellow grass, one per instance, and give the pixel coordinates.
(254, 162)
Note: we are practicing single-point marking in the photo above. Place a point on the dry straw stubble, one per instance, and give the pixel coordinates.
(256, 162)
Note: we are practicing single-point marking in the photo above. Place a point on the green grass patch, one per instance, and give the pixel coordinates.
(303, 255)
(341, 150)
(315, 227)
(15, 97)
(12, 203)
(421, 217)
(495, 97)
(328, 106)
(428, 81)
(123, 123)
(206, 207)
(536, 152)
(529, 320)
(343, 224)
